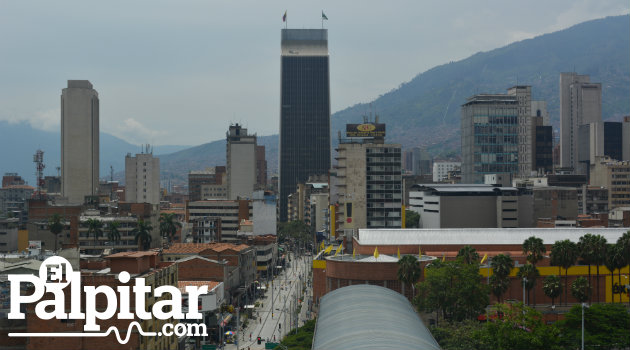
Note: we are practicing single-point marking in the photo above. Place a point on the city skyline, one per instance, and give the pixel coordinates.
(151, 70)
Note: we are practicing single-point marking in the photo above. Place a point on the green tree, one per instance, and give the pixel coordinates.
(552, 287)
(564, 254)
(614, 260)
(534, 249)
(499, 285)
(599, 256)
(500, 280)
(586, 250)
(409, 271)
(518, 327)
(55, 226)
(142, 234)
(581, 289)
(528, 274)
(453, 289)
(302, 339)
(95, 228)
(605, 327)
(113, 234)
(294, 231)
(468, 255)
(168, 226)
(412, 219)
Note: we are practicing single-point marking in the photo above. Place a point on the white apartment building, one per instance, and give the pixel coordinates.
(142, 178)
(441, 169)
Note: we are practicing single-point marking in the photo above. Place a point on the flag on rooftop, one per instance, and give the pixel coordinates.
(398, 253)
(323, 16)
(328, 249)
(338, 249)
(376, 253)
(353, 252)
(284, 18)
(484, 258)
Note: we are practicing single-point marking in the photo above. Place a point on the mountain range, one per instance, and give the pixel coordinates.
(423, 112)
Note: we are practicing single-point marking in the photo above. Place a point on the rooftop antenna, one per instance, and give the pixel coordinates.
(111, 173)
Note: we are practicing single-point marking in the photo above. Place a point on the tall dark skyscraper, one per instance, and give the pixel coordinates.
(304, 109)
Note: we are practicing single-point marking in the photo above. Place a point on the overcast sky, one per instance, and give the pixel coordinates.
(179, 71)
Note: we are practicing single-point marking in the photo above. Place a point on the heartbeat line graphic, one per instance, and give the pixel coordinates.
(102, 334)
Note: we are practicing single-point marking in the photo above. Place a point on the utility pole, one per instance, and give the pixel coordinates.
(238, 327)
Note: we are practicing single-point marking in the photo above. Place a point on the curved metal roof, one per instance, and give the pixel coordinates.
(369, 317)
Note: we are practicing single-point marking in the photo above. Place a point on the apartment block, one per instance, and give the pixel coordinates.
(230, 212)
(368, 184)
(441, 169)
(241, 163)
(615, 176)
(142, 178)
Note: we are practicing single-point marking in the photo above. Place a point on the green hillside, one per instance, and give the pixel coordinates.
(426, 110)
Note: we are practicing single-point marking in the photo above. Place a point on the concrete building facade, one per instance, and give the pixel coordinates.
(230, 212)
(452, 206)
(368, 185)
(580, 104)
(79, 141)
(241, 163)
(211, 176)
(441, 169)
(142, 178)
(615, 176)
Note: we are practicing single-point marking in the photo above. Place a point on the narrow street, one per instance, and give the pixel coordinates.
(273, 319)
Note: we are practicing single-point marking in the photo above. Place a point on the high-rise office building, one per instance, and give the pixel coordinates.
(625, 139)
(304, 109)
(142, 178)
(580, 104)
(489, 136)
(241, 162)
(613, 140)
(79, 141)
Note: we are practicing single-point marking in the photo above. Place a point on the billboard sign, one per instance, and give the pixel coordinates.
(365, 130)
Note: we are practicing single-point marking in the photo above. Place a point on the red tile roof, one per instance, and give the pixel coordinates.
(196, 248)
(183, 284)
(131, 254)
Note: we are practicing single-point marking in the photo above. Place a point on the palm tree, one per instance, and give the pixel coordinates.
(95, 228)
(552, 287)
(534, 249)
(599, 255)
(409, 271)
(55, 226)
(468, 255)
(614, 260)
(528, 274)
(580, 289)
(113, 235)
(564, 254)
(585, 247)
(168, 226)
(142, 234)
(499, 286)
(500, 280)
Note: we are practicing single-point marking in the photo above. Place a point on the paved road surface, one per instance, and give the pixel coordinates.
(286, 287)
